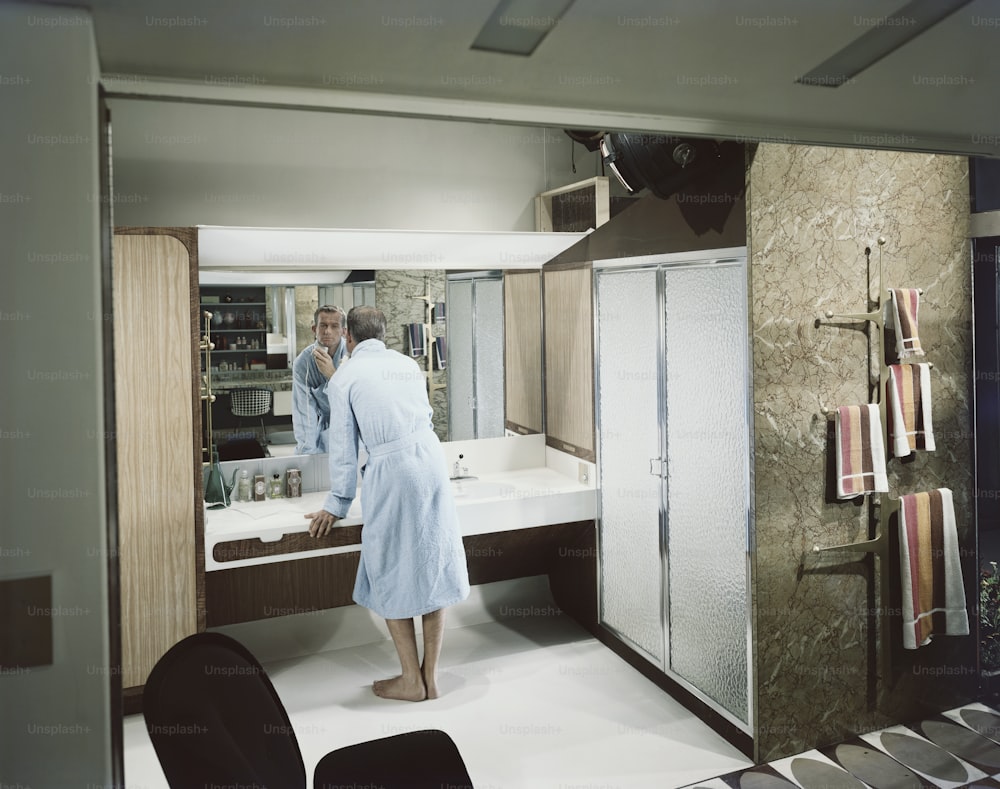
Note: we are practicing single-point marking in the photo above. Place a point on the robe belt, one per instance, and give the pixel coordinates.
(415, 437)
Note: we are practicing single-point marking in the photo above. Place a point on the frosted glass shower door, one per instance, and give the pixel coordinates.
(631, 583)
(673, 399)
(707, 485)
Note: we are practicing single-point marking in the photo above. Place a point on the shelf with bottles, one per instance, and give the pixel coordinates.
(238, 326)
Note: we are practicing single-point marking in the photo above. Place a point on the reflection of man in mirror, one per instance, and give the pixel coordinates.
(412, 557)
(311, 372)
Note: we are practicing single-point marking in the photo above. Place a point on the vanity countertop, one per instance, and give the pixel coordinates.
(502, 501)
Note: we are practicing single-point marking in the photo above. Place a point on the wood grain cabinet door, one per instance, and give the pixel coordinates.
(154, 424)
(569, 361)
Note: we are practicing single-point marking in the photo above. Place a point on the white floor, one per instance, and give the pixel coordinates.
(530, 699)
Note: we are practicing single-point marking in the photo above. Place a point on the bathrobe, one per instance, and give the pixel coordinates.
(310, 409)
(412, 556)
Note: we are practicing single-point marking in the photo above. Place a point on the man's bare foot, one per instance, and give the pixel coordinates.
(430, 684)
(400, 688)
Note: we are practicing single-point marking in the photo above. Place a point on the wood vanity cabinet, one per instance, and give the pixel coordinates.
(569, 359)
(158, 445)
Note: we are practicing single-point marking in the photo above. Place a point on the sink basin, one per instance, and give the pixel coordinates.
(477, 489)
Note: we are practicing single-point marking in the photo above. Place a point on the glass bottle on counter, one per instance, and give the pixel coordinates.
(276, 492)
(244, 491)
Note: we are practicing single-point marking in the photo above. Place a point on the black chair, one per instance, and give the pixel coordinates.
(416, 760)
(215, 720)
(251, 401)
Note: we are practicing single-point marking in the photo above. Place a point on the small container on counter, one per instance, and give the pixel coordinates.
(259, 488)
(243, 492)
(275, 491)
(293, 483)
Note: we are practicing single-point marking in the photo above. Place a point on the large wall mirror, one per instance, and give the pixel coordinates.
(451, 283)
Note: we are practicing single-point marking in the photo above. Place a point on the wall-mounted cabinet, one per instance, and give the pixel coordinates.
(158, 426)
(239, 327)
(522, 297)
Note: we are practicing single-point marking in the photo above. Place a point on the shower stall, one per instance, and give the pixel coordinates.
(674, 455)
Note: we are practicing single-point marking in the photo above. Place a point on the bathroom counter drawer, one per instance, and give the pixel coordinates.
(308, 583)
(295, 542)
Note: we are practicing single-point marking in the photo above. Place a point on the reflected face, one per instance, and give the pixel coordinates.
(328, 331)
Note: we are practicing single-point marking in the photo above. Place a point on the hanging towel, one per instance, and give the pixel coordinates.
(910, 425)
(439, 312)
(441, 352)
(905, 302)
(860, 452)
(930, 568)
(415, 331)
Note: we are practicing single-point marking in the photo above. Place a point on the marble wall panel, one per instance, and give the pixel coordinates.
(395, 292)
(811, 213)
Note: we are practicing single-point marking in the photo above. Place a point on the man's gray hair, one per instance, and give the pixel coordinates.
(366, 323)
(330, 308)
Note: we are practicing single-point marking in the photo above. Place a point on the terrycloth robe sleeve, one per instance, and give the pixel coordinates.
(310, 409)
(343, 450)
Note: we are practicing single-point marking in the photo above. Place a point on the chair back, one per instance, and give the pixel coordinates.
(215, 719)
(250, 401)
(427, 759)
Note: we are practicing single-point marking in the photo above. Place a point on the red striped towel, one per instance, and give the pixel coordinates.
(905, 303)
(860, 452)
(930, 568)
(909, 393)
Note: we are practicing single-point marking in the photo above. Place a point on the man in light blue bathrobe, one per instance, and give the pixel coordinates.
(412, 555)
(311, 371)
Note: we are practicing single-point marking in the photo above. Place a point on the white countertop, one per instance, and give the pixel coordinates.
(501, 501)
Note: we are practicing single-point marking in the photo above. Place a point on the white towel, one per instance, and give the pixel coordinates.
(933, 591)
(860, 452)
(909, 392)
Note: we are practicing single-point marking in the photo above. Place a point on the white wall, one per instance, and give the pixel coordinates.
(188, 164)
(56, 727)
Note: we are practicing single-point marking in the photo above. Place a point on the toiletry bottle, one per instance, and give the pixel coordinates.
(259, 488)
(276, 492)
(294, 483)
(244, 490)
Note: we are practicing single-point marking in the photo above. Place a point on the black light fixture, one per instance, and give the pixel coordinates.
(658, 162)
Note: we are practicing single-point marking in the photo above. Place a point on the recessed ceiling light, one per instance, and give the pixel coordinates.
(888, 34)
(516, 27)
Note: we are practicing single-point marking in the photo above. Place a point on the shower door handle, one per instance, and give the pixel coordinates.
(658, 467)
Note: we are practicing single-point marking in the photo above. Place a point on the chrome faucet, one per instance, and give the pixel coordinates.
(459, 471)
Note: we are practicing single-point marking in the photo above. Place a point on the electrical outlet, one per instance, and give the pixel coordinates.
(584, 474)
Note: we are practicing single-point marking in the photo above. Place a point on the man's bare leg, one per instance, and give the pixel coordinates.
(433, 624)
(408, 686)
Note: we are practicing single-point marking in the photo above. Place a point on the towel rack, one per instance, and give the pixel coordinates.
(878, 545)
(428, 323)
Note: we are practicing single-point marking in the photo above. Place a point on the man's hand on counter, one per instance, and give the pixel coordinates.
(320, 523)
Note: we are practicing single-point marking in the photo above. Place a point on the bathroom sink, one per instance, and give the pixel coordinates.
(478, 489)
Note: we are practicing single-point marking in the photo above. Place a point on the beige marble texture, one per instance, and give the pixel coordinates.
(395, 292)
(811, 213)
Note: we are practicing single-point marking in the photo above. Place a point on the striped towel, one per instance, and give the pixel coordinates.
(415, 332)
(909, 392)
(860, 452)
(930, 568)
(905, 303)
(441, 352)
